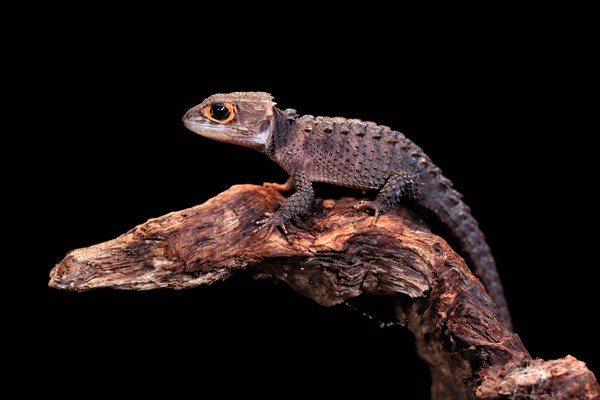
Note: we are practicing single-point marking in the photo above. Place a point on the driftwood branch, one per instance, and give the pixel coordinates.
(332, 256)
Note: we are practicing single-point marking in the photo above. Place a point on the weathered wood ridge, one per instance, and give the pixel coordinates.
(332, 256)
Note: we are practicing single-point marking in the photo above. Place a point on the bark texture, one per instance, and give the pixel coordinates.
(330, 256)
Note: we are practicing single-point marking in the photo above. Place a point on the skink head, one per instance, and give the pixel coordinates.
(244, 118)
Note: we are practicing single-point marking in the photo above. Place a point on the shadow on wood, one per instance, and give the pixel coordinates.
(331, 256)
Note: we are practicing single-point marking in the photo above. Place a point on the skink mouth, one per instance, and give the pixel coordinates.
(194, 124)
(200, 126)
(203, 126)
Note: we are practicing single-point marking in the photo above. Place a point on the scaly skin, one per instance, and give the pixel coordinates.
(346, 152)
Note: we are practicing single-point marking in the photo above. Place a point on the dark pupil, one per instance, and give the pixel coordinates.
(219, 111)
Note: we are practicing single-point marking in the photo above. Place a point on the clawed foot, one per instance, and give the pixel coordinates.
(271, 221)
(370, 206)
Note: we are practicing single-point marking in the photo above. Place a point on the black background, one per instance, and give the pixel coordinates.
(502, 111)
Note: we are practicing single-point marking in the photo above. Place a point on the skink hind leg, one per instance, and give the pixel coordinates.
(397, 186)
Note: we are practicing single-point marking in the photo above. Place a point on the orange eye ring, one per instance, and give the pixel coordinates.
(221, 113)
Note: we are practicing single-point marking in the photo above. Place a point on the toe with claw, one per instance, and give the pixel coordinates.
(271, 220)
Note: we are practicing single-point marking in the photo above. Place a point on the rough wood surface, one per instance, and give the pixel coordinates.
(331, 256)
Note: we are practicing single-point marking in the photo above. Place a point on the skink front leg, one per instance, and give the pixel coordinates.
(294, 205)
